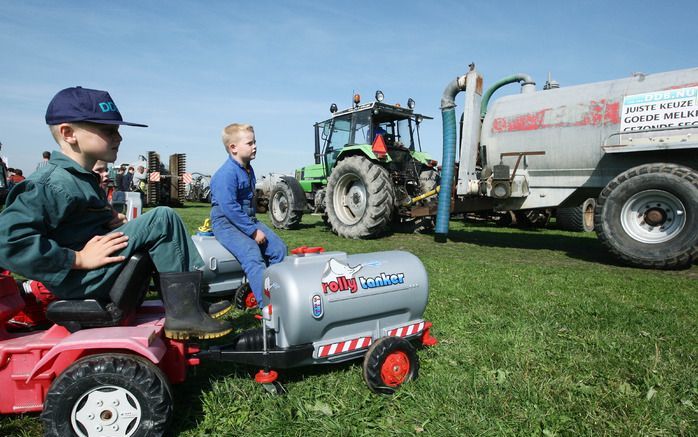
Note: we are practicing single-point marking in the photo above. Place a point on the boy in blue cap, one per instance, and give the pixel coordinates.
(58, 228)
(233, 213)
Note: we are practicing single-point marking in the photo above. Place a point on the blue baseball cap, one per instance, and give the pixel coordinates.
(78, 104)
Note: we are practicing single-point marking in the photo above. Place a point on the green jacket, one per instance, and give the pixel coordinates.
(47, 217)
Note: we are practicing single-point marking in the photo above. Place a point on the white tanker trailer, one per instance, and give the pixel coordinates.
(630, 143)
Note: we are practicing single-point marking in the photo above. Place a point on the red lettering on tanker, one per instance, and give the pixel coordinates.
(599, 113)
(340, 284)
(339, 277)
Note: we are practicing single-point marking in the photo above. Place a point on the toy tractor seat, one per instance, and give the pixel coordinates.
(125, 296)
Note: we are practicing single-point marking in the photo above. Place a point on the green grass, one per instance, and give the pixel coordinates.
(540, 333)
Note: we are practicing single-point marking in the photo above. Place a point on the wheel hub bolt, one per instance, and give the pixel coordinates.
(90, 416)
(115, 402)
(115, 427)
(99, 428)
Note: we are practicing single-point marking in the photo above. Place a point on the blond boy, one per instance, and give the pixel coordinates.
(233, 211)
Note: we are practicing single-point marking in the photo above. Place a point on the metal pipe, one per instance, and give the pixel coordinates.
(527, 85)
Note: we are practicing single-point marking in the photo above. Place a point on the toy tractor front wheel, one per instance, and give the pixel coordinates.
(111, 394)
(389, 363)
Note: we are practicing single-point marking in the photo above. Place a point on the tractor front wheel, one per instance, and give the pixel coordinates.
(282, 210)
(360, 198)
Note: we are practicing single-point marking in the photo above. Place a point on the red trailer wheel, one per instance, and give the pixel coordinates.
(389, 363)
(395, 368)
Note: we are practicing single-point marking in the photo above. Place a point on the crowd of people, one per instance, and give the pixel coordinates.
(122, 178)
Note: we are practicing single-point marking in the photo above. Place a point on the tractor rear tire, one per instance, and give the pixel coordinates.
(360, 198)
(115, 394)
(578, 218)
(282, 212)
(648, 216)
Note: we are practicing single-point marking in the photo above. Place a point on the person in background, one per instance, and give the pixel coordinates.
(17, 176)
(139, 178)
(119, 181)
(127, 182)
(102, 170)
(44, 162)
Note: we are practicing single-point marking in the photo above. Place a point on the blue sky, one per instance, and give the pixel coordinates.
(189, 68)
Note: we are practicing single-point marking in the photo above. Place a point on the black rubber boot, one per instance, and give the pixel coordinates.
(217, 309)
(184, 317)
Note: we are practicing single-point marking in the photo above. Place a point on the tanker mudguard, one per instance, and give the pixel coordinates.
(341, 303)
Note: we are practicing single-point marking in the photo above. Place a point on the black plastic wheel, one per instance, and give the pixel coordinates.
(648, 216)
(282, 210)
(389, 363)
(360, 198)
(244, 298)
(110, 394)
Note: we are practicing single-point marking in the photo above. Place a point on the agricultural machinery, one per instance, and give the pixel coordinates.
(617, 157)
(628, 143)
(368, 170)
(106, 367)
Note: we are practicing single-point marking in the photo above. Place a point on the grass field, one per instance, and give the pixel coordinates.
(541, 333)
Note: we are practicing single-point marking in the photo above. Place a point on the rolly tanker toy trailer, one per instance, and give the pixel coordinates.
(106, 367)
(629, 143)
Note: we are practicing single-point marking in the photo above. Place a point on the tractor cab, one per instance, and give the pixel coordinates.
(375, 128)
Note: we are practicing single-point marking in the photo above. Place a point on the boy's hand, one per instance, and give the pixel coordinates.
(117, 220)
(97, 251)
(259, 236)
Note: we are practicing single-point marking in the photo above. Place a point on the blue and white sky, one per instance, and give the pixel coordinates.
(188, 68)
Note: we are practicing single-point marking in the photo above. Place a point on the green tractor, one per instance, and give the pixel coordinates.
(369, 173)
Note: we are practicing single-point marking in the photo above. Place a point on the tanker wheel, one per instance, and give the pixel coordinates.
(281, 211)
(360, 198)
(116, 394)
(648, 216)
(244, 298)
(389, 363)
(579, 218)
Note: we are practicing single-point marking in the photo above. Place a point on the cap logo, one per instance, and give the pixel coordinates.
(108, 107)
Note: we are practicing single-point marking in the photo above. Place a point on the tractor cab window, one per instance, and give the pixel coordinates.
(362, 128)
(337, 133)
(406, 135)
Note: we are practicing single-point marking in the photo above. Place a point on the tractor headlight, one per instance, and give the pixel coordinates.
(410, 103)
(379, 96)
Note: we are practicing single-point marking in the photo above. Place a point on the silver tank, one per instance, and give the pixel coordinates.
(579, 126)
(222, 273)
(332, 296)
